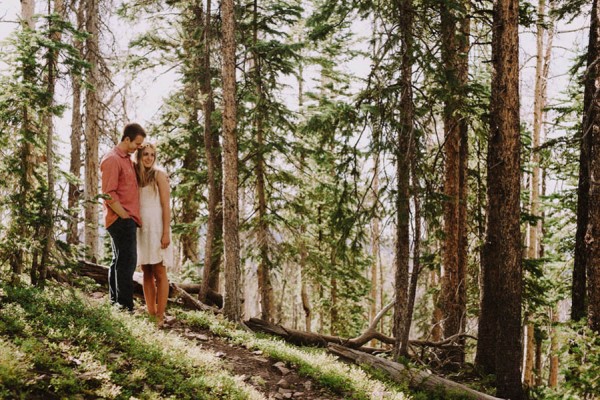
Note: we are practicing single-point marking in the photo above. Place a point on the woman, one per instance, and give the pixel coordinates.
(154, 250)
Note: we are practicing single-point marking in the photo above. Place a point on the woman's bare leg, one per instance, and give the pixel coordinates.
(149, 289)
(162, 289)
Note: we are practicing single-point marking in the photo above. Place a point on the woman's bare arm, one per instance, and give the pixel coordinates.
(164, 191)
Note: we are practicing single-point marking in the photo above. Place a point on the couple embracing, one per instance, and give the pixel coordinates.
(137, 217)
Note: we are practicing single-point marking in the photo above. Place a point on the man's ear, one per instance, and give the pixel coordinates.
(127, 139)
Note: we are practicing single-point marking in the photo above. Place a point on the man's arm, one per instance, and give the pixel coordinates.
(110, 183)
(118, 208)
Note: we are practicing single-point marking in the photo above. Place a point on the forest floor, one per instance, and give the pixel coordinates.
(67, 343)
(275, 379)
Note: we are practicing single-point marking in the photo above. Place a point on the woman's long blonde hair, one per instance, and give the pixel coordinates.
(145, 176)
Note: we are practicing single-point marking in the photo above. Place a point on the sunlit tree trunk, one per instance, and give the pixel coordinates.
(92, 129)
(416, 267)
(534, 246)
(404, 13)
(500, 316)
(232, 301)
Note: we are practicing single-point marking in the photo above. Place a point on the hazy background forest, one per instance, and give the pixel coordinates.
(363, 142)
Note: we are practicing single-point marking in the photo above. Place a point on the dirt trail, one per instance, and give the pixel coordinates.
(273, 378)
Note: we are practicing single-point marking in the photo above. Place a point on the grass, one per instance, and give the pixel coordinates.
(57, 345)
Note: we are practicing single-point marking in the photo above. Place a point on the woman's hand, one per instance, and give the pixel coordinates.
(165, 240)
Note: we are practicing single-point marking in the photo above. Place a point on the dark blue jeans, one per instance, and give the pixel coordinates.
(120, 275)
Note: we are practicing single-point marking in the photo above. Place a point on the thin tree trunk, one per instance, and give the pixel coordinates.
(375, 233)
(554, 351)
(48, 230)
(17, 258)
(501, 305)
(76, 135)
(538, 359)
(304, 289)
(214, 227)
(194, 71)
(92, 130)
(591, 128)
(404, 136)
(264, 266)
(232, 303)
(416, 268)
(437, 315)
(528, 378)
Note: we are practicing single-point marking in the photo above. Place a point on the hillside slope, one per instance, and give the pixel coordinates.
(61, 343)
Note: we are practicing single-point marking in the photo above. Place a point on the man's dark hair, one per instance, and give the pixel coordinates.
(132, 131)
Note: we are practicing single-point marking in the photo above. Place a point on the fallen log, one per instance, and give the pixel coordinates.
(99, 273)
(300, 338)
(415, 379)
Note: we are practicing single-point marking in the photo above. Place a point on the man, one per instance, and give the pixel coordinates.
(122, 213)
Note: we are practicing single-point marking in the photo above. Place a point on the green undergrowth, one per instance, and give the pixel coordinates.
(347, 380)
(57, 344)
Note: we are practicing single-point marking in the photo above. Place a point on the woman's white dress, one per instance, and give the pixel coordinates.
(150, 234)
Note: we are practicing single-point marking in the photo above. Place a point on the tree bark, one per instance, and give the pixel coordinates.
(500, 320)
(404, 9)
(92, 129)
(214, 228)
(17, 257)
(76, 135)
(48, 229)
(265, 287)
(554, 351)
(232, 305)
(591, 127)
(453, 276)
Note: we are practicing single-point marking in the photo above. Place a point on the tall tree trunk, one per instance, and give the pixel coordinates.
(416, 268)
(304, 282)
(193, 73)
(375, 233)
(453, 293)
(214, 228)
(544, 52)
(76, 135)
(591, 127)
(17, 258)
(404, 13)
(92, 129)
(232, 301)
(264, 266)
(538, 359)
(48, 230)
(554, 350)
(437, 315)
(501, 298)
(582, 263)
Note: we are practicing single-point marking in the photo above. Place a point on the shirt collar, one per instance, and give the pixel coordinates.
(121, 153)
